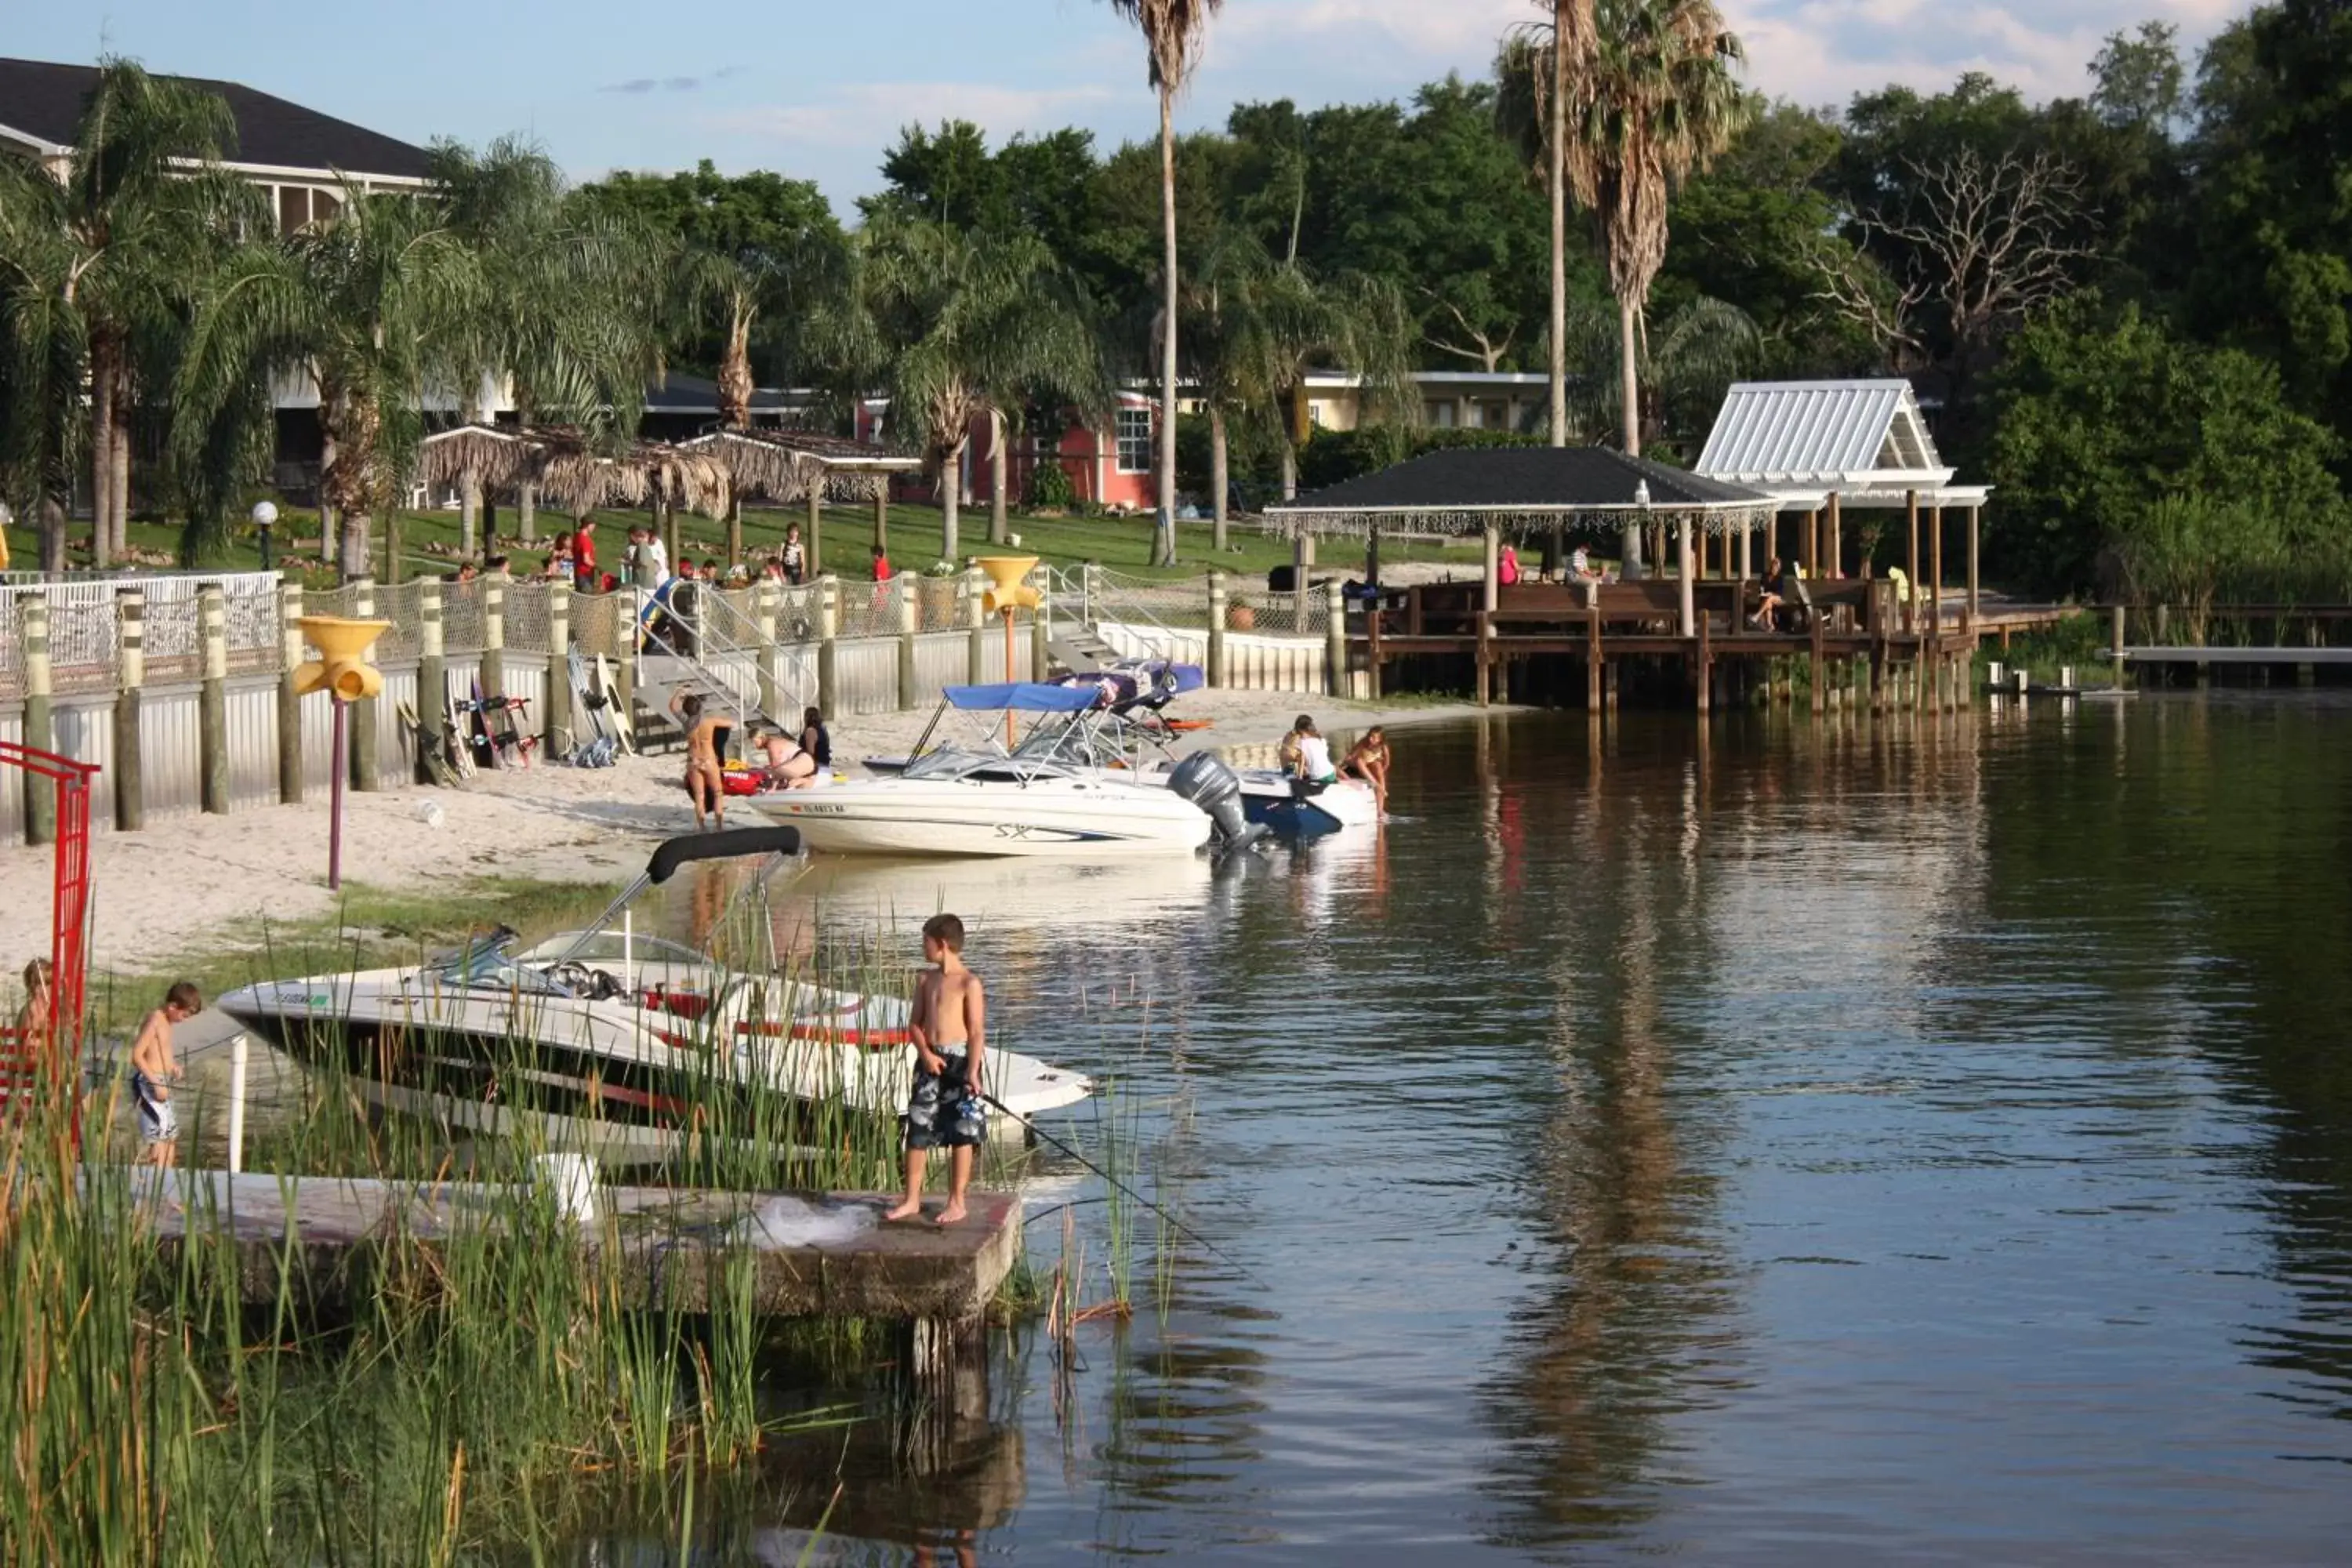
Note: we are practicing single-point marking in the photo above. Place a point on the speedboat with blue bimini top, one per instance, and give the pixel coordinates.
(603, 1039)
(983, 798)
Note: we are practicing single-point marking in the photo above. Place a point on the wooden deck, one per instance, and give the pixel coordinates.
(1917, 643)
(671, 1244)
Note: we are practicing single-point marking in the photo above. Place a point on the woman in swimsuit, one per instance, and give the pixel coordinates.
(1368, 759)
(789, 766)
(706, 784)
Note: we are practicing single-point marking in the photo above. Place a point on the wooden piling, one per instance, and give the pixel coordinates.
(431, 675)
(828, 654)
(1820, 668)
(130, 789)
(290, 705)
(814, 530)
(2115, 644)
(1834, 567)
(1217, 671)
(556, 738)
(362, 741)
(910, 611)
(1703, 662)
(975, 618)
(1911, 564)
(1335, 639)
(1592, 660)
(494, 638)
(1485, 655)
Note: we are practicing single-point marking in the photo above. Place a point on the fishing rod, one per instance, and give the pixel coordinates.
(1177, 1226)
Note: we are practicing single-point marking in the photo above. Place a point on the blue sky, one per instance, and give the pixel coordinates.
(818, 90)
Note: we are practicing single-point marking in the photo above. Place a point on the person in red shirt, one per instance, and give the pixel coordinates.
(583, 554)
(881, 565)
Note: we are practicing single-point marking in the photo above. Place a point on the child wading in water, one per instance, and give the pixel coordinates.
(950, 1029)
(152, 1072)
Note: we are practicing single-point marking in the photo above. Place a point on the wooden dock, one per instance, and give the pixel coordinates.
(671, 1245)
(1865, 642)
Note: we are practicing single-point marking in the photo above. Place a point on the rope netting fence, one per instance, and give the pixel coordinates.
(1182, 604)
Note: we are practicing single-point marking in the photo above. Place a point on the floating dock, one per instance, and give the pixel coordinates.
(826, 1255)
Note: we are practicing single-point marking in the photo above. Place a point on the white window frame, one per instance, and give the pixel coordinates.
(1121, 424)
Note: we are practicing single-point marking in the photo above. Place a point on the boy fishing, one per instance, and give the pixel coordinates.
(152, 1073)
(947, 1109)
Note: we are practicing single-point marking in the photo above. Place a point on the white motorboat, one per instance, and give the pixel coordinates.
(953, 801)
(1118, 733)
(606, 1040)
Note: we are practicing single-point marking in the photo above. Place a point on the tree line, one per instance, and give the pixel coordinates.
(2130, 310)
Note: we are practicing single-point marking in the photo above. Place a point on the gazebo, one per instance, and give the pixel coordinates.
(1519, 490)
(1818, 448)
(795, 467)
(563, 465)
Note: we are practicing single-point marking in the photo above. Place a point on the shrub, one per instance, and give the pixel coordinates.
(1050, 486)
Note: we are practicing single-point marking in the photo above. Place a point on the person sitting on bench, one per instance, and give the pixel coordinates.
(1776, 590)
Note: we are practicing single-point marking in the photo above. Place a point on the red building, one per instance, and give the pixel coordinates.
(1110, 465)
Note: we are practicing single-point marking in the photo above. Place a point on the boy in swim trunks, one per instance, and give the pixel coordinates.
(152, 1072)
(950, 1027)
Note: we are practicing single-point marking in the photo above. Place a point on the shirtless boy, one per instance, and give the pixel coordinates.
(152, 1072)
(705, 783)
(950, 1029)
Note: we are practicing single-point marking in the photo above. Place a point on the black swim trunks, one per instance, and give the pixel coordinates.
(943, 1112)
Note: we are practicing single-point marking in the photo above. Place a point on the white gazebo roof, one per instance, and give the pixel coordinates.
(1863, 441)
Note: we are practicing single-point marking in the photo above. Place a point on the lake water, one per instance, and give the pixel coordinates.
(1922, 1141)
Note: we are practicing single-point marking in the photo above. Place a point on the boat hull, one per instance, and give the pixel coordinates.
(1075, 818)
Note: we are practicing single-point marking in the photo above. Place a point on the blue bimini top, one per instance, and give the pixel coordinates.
(1024, 696)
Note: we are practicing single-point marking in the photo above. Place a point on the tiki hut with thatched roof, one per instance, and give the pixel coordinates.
(799, 465)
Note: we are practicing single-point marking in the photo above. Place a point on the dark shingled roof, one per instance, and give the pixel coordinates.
(44, 100)
(1522, 479)
(700, 395)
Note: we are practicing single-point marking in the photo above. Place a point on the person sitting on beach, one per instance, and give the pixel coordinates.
(814, 739)
(152, 1073)
(705, 782)
(947, 1108)
(33, 1017)
(1368, 760)
(789, 766)
(1775, 585)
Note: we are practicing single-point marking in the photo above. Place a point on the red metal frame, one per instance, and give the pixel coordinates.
(69, 905)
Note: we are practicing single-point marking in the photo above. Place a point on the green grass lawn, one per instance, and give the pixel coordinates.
(429, 541)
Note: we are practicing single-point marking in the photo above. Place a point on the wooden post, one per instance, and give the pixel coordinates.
(812, 530)
(1703, 664)
(130, 789)
(556, 738)
(1971, 624)
(1809, 544)
(433, 674)
(1935, 574)
(734, 531)
(1592, 660)
(40, 724)
(1041, 632)
(494, 638)
(1746, 553)
(363, 743)
(1217, 671)
(1836, 566)
(910, 614)
(289, 705)
(975, 618)
(828, 656)
(1302, 562)
(882, 517)
(1684, 571)
(212, 701)
(526, 511)
(1820, 668)
(1493, 599)
(1335, 639)
(1486, 651)
(2115, 642)
(1911, 563)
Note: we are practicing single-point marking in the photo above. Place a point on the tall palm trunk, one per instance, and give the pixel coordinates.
(123, 406)
(998, 525)
(469, 514)
(1220, 490)
(951, 498)
(53, 531)
(1630, 390)
(1558, 180)
(1163, 540)
(735, 372)
(101, 449)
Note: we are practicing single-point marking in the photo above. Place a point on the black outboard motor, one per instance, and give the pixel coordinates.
(1208, 782)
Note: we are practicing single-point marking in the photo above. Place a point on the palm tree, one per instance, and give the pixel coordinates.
(975, 324)
(141, 205)
(43, 351)
(374, 304)
(1686, 362)
(1657, 99)
(1550, 54)
(561, 312)
(1173, 31)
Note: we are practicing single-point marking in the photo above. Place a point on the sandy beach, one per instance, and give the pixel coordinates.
(202, 884)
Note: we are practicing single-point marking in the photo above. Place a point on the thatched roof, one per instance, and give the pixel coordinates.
(572, 473)
(785, 465)
(1470, 489)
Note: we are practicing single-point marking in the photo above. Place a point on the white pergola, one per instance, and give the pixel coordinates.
(1819, 446)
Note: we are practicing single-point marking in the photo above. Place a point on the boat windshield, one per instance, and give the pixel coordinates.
(485, 963)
